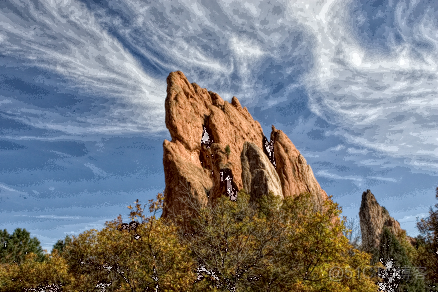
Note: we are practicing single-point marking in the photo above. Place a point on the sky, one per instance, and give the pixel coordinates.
(353, 84)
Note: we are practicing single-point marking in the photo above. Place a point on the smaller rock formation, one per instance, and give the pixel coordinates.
(373, 218)
(258, 173)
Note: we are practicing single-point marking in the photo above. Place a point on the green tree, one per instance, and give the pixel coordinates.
(427, 246)
(15, 246)
(391, 252)
(230, 244)
(61, 244)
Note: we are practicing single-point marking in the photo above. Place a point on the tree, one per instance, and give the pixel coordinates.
(272, 245)
(149, 258)
(315, 248)
(353, 232)
(427, 246)
(34, 275)
(61, 244)
(15, 246)
(392, 253)
(230, 243)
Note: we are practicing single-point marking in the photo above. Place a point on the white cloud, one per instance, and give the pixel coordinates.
(383, 178)
(5, 187)
(384, 103)
(5, 101)
(61, 153)
(51, 216)
(387, 96)
(12, 191)
(352, 150)
(413, 218)
(337, 148)
(67, 40)
(96, 170)
(328, 174)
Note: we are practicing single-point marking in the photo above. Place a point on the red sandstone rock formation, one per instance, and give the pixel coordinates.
(373, 218)
(201, 124)
(258, 173)
(296, 175)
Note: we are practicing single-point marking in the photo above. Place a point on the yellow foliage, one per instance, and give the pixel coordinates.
(132, 260)
(33, 274)
(278, 246)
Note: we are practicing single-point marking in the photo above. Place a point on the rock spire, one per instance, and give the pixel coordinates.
(373, 218)
(196, 165)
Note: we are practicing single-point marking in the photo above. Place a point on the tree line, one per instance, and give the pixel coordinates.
(243, 245)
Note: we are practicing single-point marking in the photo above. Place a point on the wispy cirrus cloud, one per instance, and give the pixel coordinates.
(64, 38)
(377, 100)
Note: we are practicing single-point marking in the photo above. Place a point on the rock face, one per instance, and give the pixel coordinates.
(295, 174)
(373, 218)
(258, 173)
(196, 164)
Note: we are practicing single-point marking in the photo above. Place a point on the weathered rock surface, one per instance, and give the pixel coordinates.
(258, 173)
(201, 124)
(373, 218)
(295, 174)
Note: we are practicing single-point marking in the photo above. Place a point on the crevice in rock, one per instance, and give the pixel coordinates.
(228, 184)
(207, 192)
(268, 149)
(207, 136)
(205, 153)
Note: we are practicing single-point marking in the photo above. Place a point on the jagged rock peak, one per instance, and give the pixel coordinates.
(373, 218)
(295, 174)
(198, 163)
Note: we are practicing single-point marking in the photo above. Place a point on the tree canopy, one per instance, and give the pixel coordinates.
(15, 246)
(267, 244)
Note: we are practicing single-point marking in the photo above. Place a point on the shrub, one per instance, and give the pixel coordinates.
(227, 150)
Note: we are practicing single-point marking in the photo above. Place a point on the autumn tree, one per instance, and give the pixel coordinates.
(34, 275)
(316, 255)
(149, 258)
(271, 244)
(353, 232)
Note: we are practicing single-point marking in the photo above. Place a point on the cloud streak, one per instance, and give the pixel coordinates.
(64, 38)
(375, 100)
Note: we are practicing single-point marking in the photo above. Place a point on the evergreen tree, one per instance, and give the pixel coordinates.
(401, 275)
(17, 245)
(60, 245)
(427, 247)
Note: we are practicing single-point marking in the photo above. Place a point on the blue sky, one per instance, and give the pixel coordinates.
(82, 87)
